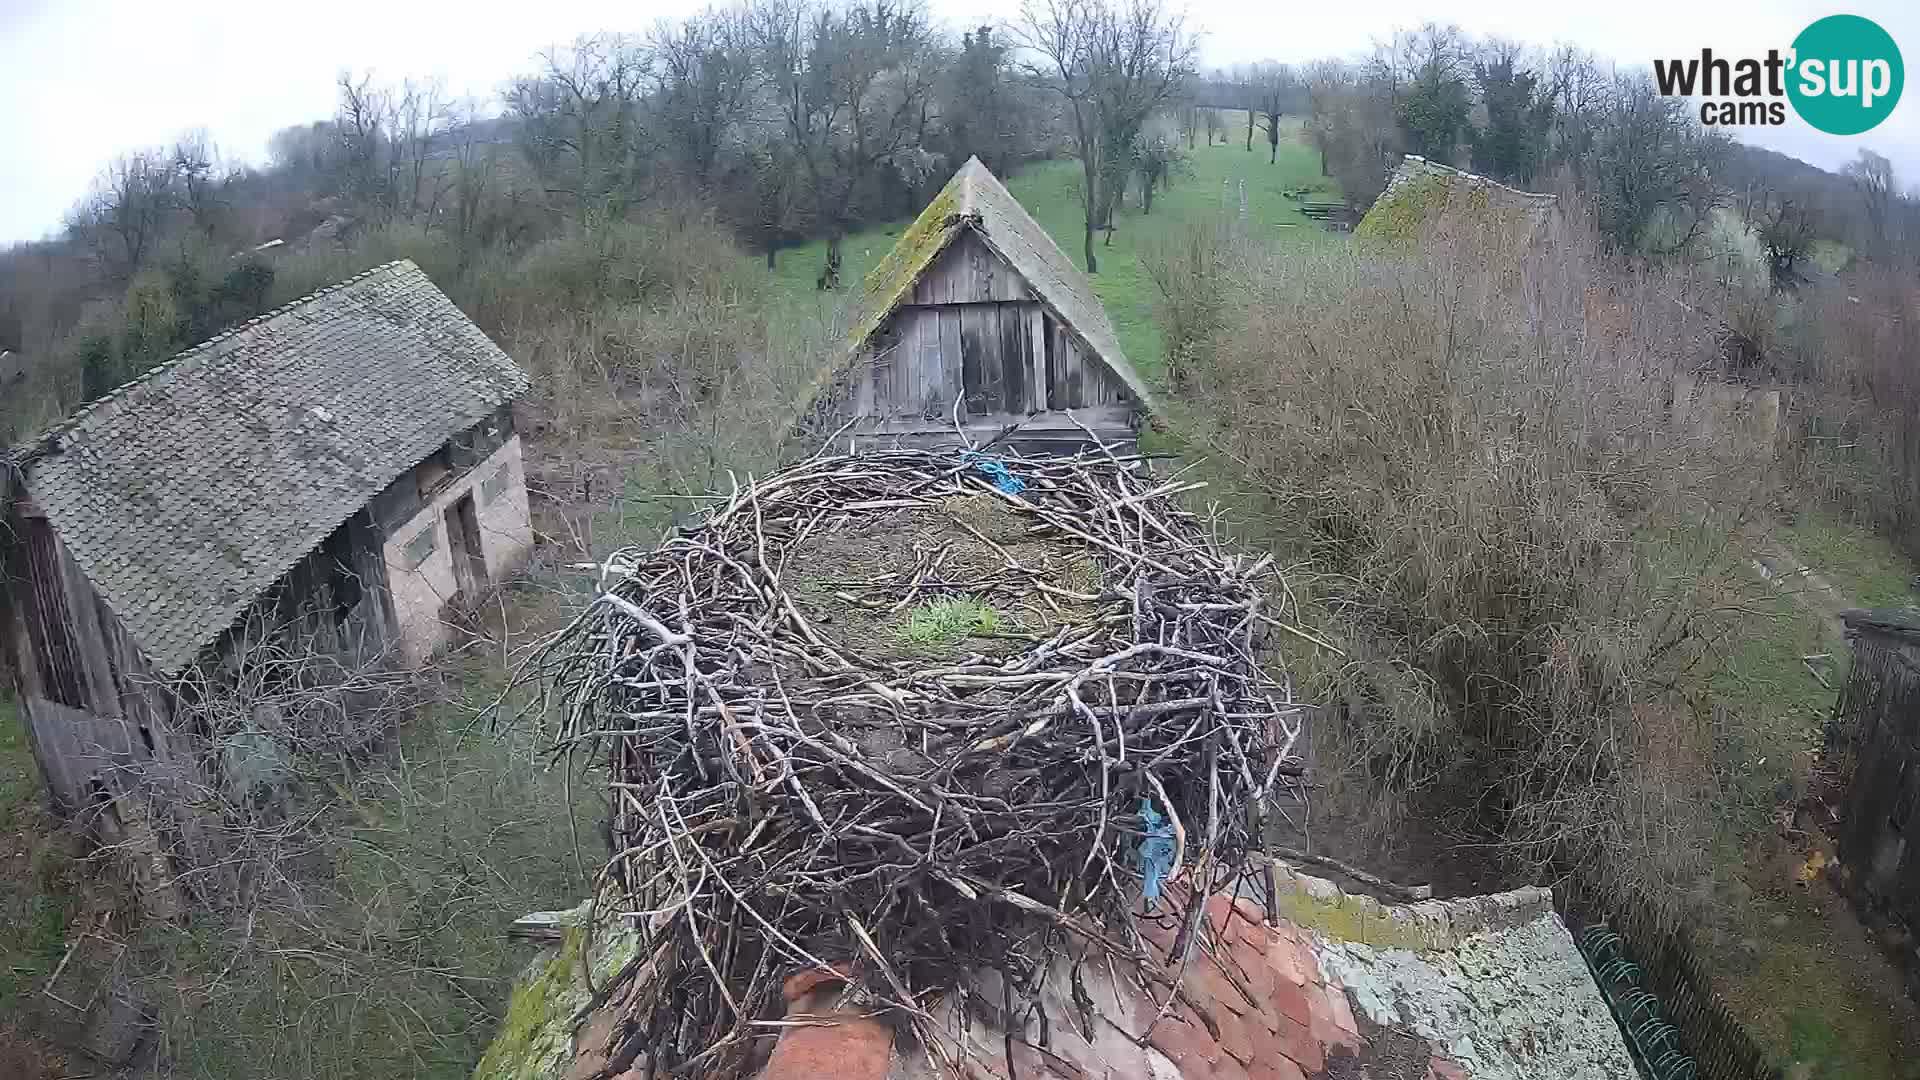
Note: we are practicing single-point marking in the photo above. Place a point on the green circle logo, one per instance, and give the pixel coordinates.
(1846, 74)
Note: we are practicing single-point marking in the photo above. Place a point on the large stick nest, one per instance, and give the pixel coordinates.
(800, 778)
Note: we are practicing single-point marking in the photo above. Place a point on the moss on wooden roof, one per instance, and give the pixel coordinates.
(975, 199)
(1423, 194)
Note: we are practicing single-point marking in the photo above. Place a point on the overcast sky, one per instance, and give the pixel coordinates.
(81, 80)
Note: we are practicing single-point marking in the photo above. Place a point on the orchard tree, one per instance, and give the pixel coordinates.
(851, 87)
(704, 89)
(1112, 66)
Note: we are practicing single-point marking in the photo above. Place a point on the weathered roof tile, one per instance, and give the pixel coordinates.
(186, 493)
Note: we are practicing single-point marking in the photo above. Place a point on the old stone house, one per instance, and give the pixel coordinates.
(977, 322)
(337, 471)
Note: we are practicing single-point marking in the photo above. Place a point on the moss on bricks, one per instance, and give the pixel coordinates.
(537, 1034)
(535, 1040)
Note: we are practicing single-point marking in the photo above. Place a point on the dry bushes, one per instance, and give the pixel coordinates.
(1522, 537)
(1192, 270)
(1854, 353)
(354, 873)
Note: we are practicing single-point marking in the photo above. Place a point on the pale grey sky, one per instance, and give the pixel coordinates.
(81, 80)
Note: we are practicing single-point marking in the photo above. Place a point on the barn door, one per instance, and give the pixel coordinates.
(998, 365)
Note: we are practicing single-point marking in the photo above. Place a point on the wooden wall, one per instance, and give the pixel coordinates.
(86, 694)
(975, 331)
(1876, 744)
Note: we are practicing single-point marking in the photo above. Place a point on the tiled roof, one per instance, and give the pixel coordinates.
(1422, 193)
(976, 199)
(1487, 988)
(189, 491)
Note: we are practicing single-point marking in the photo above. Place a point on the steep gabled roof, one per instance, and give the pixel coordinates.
(975, 199)
(186, 493)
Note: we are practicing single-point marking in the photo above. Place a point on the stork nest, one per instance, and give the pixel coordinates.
(803, 776)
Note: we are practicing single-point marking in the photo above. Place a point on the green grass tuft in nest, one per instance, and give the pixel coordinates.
(950, 621)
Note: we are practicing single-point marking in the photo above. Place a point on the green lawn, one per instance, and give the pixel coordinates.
(37, 893)
(1207, 188)
(1857, 560)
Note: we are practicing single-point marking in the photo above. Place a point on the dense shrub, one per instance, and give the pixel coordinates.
(1853, 360)
(1518, 533)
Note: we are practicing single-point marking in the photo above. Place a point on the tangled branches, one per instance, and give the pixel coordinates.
(798, 785)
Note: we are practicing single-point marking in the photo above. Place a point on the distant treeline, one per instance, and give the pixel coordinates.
(790, 120)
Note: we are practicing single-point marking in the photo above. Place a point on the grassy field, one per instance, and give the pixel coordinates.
(1207, 188)
(39, 895)
(1789, 955)
(1858, 561)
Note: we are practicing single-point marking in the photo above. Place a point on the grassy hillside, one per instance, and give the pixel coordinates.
(1208, 186)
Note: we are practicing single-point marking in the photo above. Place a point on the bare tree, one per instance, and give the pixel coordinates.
(129, 209)
(1112, 67)
(1273, 89)
(362, 123)
(765, 194)
(706, 80)
(1652, 181)
(196, 163)
(579, 121)
(474, 173)
(1785, 227)
(852, 87)
(421, 115)
(1352, 123)
(1879, 189)
(1579, 89)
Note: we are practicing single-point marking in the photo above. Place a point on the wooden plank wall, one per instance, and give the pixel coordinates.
(85, 691)
(968, 272)
(973, 329)
(1876, 745)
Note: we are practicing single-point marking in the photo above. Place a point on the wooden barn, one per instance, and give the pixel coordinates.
(1879, 751)
(976, 321)
(337, 471)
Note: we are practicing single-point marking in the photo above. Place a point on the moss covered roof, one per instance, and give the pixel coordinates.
(976, 199)
(1422, 194)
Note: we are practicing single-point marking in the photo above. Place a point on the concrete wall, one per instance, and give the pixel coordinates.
(421, 587)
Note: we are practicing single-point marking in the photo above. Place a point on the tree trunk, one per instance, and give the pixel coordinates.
(1093, 264)
(1249, 131)
(829, 279)
(773, 248)
(1274, 154)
